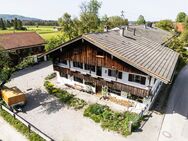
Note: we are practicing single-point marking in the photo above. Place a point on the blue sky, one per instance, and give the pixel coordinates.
(53, 9)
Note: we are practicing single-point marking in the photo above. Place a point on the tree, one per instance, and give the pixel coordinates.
(8, 24)
(5, 66)
(15, 23)
(89, 16)
(116, 21)
(2, 24)
(184, 37)
(181, 17)
(54, 42)
(186, 22)
(141, 20)
(165, 25)
(67, 25)
(19, 25)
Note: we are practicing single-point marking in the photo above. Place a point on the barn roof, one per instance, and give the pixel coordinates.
(20, 40)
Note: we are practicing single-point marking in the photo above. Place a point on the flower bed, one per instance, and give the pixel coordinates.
(111, 120)
(64, 96)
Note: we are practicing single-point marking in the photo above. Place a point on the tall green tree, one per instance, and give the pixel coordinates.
(67, 25)
(15, 23)
(2, 24)
(8, 24)
(89, 16)
(165, 25)
(116, 21)
(181, 17)
(19, 25)
(141, 20)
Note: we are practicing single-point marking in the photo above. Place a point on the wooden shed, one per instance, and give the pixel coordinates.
(13, 96)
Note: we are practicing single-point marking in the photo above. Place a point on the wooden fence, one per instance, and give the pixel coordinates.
(26, 123)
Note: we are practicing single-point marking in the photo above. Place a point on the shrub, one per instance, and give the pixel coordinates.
(64, 96)
(111, 120)
(51, 76)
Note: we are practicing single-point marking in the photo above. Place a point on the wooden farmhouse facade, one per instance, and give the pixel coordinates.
(122, 63)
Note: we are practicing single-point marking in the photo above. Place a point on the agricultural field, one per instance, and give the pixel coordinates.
(47, 32)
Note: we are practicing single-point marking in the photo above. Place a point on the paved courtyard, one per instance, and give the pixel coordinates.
(61, 123)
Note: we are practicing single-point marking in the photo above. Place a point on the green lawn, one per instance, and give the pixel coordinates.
(47, 32)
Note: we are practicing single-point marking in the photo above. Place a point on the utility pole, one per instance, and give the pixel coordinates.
(122, 14)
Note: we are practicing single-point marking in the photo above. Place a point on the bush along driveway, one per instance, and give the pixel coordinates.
(123, 123)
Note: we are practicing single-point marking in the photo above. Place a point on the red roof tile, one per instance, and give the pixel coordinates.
(20, 40)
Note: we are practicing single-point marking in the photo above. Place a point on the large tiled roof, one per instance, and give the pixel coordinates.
(154, 34)
(20, 40)
(139, 51)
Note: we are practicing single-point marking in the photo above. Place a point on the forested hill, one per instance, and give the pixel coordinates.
(22, 18)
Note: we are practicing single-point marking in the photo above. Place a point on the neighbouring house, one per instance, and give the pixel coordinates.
(22, 44)
(130, 63)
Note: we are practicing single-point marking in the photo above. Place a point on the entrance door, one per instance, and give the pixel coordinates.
(98, 89)
(99, 71)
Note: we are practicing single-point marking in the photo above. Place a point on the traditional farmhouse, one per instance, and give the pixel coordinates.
(130, 63)
(22, 43)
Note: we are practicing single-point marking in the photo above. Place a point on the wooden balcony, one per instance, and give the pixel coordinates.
(101, 82)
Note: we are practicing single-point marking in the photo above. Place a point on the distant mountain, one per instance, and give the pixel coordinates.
(23, 18)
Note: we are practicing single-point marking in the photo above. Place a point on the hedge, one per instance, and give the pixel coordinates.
(64, 96)
(111, 120)
(20, 127)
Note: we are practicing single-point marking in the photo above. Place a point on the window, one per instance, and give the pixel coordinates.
(115, 73)
(63, 62)
(100, 54)
(137, 79)
(90, 67)
(114, 91)
(90, 84)
(78, 79)
(78, 65)
(62, 74)
(120, 74)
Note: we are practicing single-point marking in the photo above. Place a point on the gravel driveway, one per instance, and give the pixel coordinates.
(64, 124)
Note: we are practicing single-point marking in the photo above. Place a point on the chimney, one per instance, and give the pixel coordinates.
(122, 31)
(106, 28)
(134, 31)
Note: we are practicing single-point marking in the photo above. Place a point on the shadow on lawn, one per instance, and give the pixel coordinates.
(46, 102)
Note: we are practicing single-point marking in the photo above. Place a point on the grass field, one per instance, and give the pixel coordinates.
(47, 32)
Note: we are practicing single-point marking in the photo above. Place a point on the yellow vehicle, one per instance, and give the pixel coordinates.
(13, 96)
